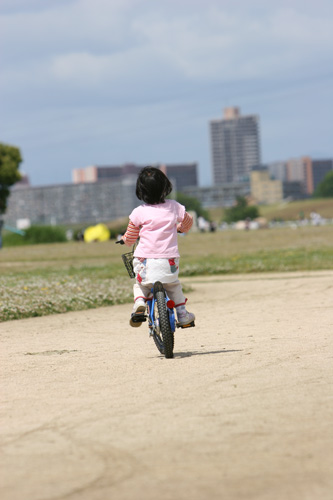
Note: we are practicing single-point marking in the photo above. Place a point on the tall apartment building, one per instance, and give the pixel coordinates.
(181, 175)
(235, 146)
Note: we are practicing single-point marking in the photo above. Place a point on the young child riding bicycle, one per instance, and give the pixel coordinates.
(156, 258)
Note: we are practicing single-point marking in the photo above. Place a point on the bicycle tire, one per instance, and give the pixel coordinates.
(164, 323)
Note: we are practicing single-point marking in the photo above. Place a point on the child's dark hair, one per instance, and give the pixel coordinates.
(152, 186)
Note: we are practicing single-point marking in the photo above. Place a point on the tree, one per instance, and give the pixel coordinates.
(192, 204)
(10, 159)
(240, 211)
(325, 187)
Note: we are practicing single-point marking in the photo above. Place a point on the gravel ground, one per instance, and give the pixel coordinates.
(91, 411)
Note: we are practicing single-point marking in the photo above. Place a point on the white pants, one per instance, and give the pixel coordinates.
(148, 271)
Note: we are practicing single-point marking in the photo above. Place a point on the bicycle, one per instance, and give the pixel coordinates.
(161, 315)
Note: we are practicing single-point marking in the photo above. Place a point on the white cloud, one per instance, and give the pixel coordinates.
(101, 39)
(227, 46)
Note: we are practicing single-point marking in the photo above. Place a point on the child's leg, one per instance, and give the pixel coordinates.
(141, 289)
(141, 293)
(175, 293)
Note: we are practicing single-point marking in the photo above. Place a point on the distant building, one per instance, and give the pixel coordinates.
(264, 189)
(181, 175)
(223, 195)
(98, 194)
(319, 170)
(101, 173)
(293, 190)
(235, 146)
(300, 170)
(303, 174)
(72, 203)
(278, 170)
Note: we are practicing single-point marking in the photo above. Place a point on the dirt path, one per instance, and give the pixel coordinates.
(90, 411)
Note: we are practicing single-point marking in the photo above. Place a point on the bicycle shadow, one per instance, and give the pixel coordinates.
(203, 353)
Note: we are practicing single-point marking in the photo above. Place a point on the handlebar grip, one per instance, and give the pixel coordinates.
(121, 242)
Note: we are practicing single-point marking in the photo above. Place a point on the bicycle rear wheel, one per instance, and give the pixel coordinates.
(162, 320)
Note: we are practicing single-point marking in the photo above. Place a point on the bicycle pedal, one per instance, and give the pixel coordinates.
(189, 325)
(138, 318)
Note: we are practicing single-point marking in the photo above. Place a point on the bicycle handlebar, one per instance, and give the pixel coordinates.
(121, 242)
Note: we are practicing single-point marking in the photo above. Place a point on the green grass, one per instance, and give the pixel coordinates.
(34, 294)
(55, 278)
(288, 210)
(274, 261)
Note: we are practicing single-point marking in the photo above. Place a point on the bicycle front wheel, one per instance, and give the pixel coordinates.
(163, 320)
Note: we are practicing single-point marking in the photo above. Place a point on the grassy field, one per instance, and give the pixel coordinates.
(46, 279)
(288, 211)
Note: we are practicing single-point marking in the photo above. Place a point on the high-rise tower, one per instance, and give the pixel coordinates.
(235, 146)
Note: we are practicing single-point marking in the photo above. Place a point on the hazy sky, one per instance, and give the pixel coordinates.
(105, 82)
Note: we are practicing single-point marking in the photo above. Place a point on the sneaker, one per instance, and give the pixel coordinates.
(138, 314)
(185, 319)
